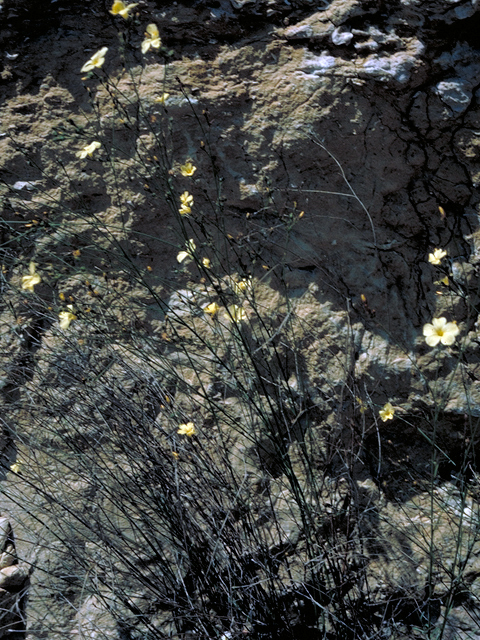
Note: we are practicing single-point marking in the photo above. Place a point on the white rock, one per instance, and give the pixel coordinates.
(455, 93)
(20, 184)
(341, 37)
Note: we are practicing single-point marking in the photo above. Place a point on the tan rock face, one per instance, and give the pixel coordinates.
(335, 147)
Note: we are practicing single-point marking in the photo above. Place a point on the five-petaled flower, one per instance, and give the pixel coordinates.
(121, 9)
(387, 412)
(89, 149)
(152, 38)
(440, 331)
(66, 317)
(28, 282)
(96, 60)
(15, 467)
(437, 256)
(190, 248)
(187, 429)
(186, 202)
(188, 169)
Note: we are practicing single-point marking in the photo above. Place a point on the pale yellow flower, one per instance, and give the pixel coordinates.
(162, 98)
(66, 317)
(212, 309)
(15, 467)
(235, 313)
(243, 286)
(121, 9)
(184, 210)
(207, 263)
(96, 60)
(387, 412)
(440, 331)
(361, 405)
(152, 38)
(187, 429)
(437, 256)
(186, 201)
(28, 282)
(188, 169)
(190, 248)
(89, 149)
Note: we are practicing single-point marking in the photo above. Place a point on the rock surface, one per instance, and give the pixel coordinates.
(335, 147)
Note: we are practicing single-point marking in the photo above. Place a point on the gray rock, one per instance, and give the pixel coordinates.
(13, 577)
(318, 65)
(339, 36)
(397, 66)
(8, 557)
(27, 185)
(240, 4)
(456, 93)
(5, 532)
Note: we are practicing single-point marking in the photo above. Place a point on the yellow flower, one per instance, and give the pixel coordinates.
(152, 38)
(121, 9)
(66, 317)
(190, 248)
(444, 281)
(15, 468)
(188, 169)
(89, 149)
(28, 282)
(387, 412)
(184, 210)
(96, 60)
(207, 263)
(162, 98)
(437, 256)
(187, 429)
(361, 405)
(212, 309)
(243, 286)
(440, 331)
(186, 201)
(235, 313)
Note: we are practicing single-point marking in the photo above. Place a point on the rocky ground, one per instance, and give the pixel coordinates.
(336, 146)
